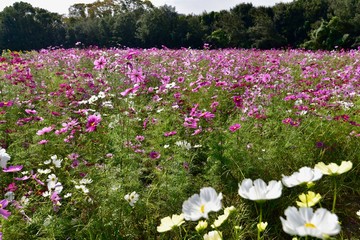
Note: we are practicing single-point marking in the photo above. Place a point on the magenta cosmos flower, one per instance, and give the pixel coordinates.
(154, 155)
(234, 127)
(92, 122)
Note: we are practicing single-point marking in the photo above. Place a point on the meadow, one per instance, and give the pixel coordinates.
(118, 144)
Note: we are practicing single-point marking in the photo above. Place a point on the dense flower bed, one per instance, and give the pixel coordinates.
(104, 143)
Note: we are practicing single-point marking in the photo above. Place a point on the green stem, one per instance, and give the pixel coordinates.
(260, 221)
(334, 200)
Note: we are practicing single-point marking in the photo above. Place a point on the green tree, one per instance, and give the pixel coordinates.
(24, 28)
(263, 33)
(156, 27)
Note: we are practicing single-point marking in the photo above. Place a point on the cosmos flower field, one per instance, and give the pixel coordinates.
(118, 144)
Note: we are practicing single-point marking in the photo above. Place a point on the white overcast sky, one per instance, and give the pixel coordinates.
(182, 6)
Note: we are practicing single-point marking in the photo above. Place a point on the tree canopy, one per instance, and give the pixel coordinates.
(313, 24)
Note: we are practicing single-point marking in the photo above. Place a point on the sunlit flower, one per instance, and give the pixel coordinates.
(305, 175)
(132, 198)
(333, 168)
(202, 225)
(168, 223)
(308, 200)
(198, 206)
(262, 226)
(304, 222)
(259, 191)
(358, 213)
(220, 220)
(213, 235)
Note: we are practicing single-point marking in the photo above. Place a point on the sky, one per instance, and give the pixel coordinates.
(181, 6)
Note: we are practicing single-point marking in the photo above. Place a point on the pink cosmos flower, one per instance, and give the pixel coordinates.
(136, 75)
(168, 134)
(196, 132)
(13, 168)
(4, 213)
(100, 63)
(191, 122)
(234, 127)
(92, 122)
(30, 111)
(43, 142)
(130, 90)
(140, 138)
(44, 130)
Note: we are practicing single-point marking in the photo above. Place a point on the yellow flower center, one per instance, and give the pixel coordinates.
(202, 208)
(310, 225)
(1, 205)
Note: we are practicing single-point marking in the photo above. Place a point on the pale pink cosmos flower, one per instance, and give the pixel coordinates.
(42, 142)
(100, 63)
(44, 130)
(136, 76)
(29, 111)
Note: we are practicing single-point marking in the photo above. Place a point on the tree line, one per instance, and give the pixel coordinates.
(311, 24)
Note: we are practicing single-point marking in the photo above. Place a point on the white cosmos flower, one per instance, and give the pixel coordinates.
(67, 195)
(132, 198)
(333, 168)
(56, 161)
(213, 235)
(168, 223)
(83, 188)
(183, 144)
(259, 191)
(46, 194)
(51, 181)
(4, 157)
(42, 171)
(303, 176)
(9, 196)
(58, 187)
(305, 222)
(86, 181)
(199, 206)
